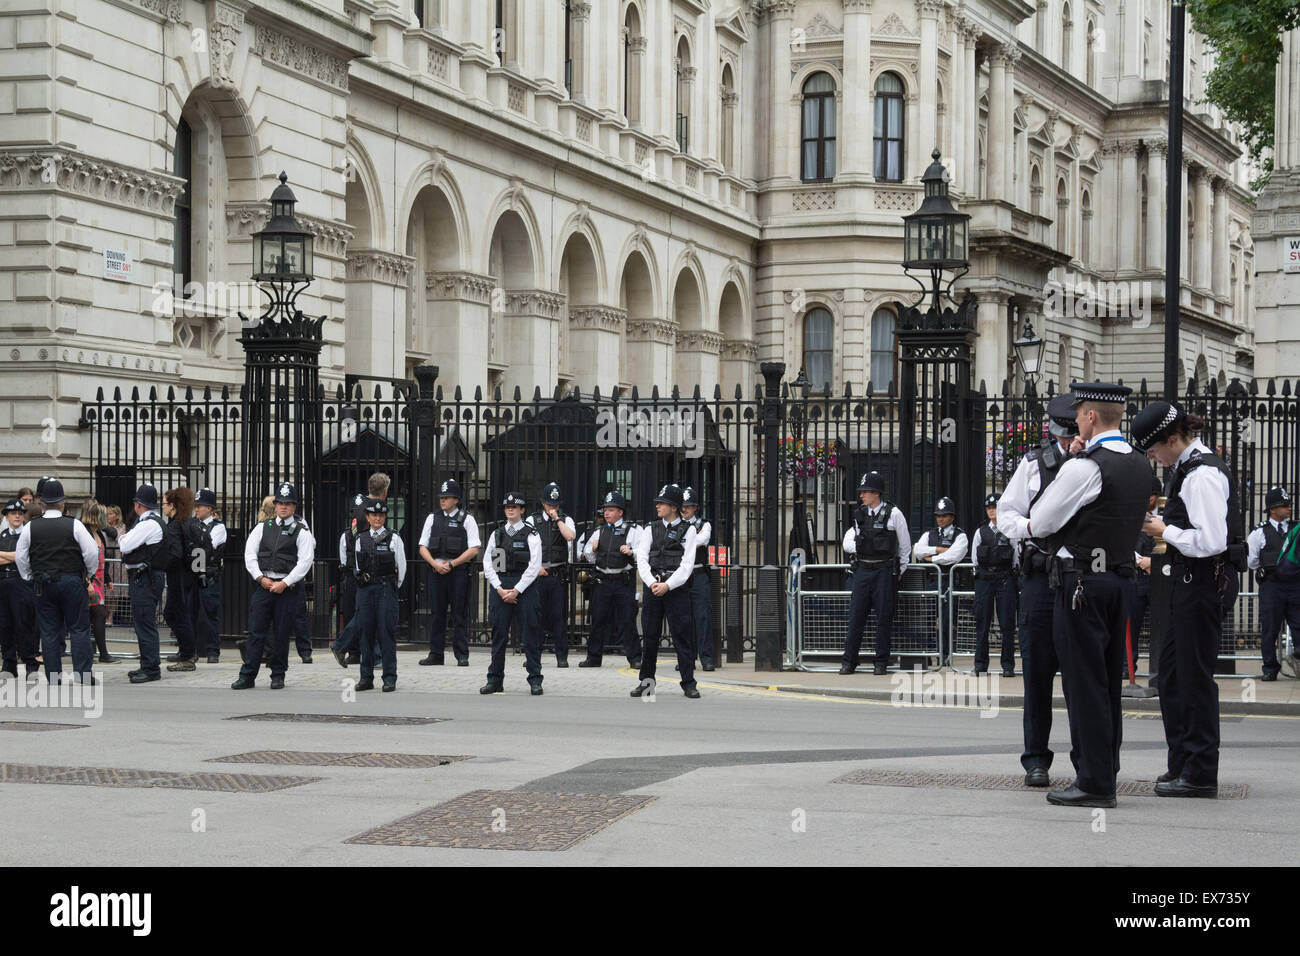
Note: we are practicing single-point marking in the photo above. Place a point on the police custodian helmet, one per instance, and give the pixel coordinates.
(872, 481)
(612, 499)
(944, 506)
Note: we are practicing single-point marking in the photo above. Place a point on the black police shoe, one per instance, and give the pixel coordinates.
(706, 667)
(879, 669)
(635, 664)
(431, 659)
(277, 683)
(364, 685)
(1166, 777)
(1269, 677)
(244, 683)
(588, 663)
(1037, 777)
(691, 692)
(390, 686)
(491, 688)
(307, 659)
(1008, 672)
(561, 663)
(173, 658)
(847, 669)
(1074, 797)
(535, 689)
(462, 662)
(105, 659)
(214, 658)
(140, 677)
(1182, 787)
(647, 686)
(338, 656)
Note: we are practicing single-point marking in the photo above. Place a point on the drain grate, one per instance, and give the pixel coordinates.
(507, 820)
(307, 758)
(120, 777)
(344, 719)
(977, 781)
(36, 725)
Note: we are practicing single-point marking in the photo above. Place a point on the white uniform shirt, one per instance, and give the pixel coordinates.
(218, 530)
(955, 553)
(534, 558)
(142, 534)
(397, 544)
(1205, 493)
(642, 549)
(897, 523)
(88, 545)
(1255, 540)
(306, 552)
(703, 535)
(1013, 505)
(471, 531)
(567, 522)
(1077, 485)
(592, 541)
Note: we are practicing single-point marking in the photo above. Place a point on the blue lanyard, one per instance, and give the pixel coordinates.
(1110, 438)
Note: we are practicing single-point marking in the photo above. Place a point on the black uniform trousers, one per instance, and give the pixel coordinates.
(376, 614)
(702, 614)
(676, 606)
(1189, 696)
(179, 609)
(1279, 603)
(207, 615)
(301, 626)
(19, 637)
(995, 591)
(145, 587)
(502, 615)
(1090, 647)
(1139, 593)
(613, 612)
(874, 589)
(449, 591)
(553, 609)
(271, 619)
(63, 608)
(1039, 665)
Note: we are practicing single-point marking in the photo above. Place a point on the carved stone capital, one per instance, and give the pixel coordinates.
(652, 330)
(856, 6)
(778, 10)
(739, 350)
(535, 303)
(600, 318)
(463, 286)
(929, 9)
(699, 340)
(376, 265)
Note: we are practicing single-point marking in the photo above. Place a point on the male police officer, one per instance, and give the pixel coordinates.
(59, 556)
(277, 556)
(665, 558)
(448, 544)
(210, 548)
(613, 598)
(511, 563)
(380, 560)
(1279, 601)
(18, 635)
(1093, 512)
(701, 597)
(879, 543)
(996, 559)
(1034, 475)
(142, 555)
(945, 544)
(556, 531)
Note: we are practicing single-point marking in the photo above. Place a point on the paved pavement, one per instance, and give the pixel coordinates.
(745, 775)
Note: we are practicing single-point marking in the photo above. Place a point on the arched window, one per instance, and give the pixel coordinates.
(730, 99)
(1089, 373)
(819, 348)
(1092, 62)
(1067, 37)
(818, 129)
(888, 138)
(183, 226)
(633, 45)
(882, 350)
(1035, 191)
(684, 74)
(1085, 230)
(1062, 214)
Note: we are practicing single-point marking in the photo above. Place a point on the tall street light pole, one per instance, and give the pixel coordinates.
(1174, 197)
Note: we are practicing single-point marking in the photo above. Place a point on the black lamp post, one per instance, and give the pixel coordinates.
(1029, 355)
(935, 237)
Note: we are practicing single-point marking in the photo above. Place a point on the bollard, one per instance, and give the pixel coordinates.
(771, 616)
(735, 615)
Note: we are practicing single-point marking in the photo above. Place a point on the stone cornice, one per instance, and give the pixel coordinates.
(652, 330)
(699, 340)
(101, 179)
(161, 9)
(535, 302)
(275, 46)
(604, 318)
(376, 265)
(468, 286)
(745, 350)
(244, 217)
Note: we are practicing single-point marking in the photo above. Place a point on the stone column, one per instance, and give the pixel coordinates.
(1157, 156)
(1129, 222)
(375, 297)
(595, 345)
(991, 343)
(532, 340)
(995, 152)
(780, 144)
(1009, 144)
(636, 82)
(957, 91)
(1204, 229)
(1219, 239)
(739, 358)
(583, 52)
(697, 360)
(1184, 273)
(1286, 121)
(651, 344)
(456, 317)
(928, 74)
(972, 112)
(856, 122)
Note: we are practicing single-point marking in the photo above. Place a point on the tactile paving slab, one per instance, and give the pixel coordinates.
(36, 725)
(507, 820)
(977, 781)
(307, 758)
(167, 779)
(344, 719)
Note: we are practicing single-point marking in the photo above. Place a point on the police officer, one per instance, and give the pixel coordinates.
(57, 554)
(1093, 511)
(1200, 522)
(945, 544)
(142, 556)
(1033, 476)
(511, 563)
(1279, 601)
(879, 545)
(613, 597)
(556, 531)
(996, 560)
(701, 594)
(665, 559)
(380, 560)
(448, 543)
(1140, 596)
(18, 636)
(342, 647)
(277, 555)
(205, 563)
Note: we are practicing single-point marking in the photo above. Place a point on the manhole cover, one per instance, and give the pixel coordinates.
(343, 719)
(976, 781)
(119, 777)
(35, 725)
(307, 758)
(507, 820)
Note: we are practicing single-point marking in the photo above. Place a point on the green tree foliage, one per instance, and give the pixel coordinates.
(1246, 36)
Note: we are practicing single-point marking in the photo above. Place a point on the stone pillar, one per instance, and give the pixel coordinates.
(1183, 272)
(584, 53)
(995, 153)
(1157, 156)
(451, 333)
(1129, 224)
(636, 82)
(651, 343)
(532, 340)
(375, 302)
(696, 360)
(596, 344)
(478, 56)
(991, 343)
(1204, 229)
(856, 122)
(1009, 143)
(972, 112)
(957, 92)
(928, 75)
(1286, 123)
(739, 358)
(780, 145)
(1219, 238)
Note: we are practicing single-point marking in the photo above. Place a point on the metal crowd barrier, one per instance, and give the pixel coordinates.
(821, 618)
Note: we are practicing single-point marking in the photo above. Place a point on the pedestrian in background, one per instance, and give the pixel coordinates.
(93, 514)
(182, 600)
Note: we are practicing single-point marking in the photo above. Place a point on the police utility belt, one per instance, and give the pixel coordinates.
(615, 574)
(987, 574)
(873, 564)
(662, 576)
(365, 579)
(209, 577)
(279, 577)
(1060, 567)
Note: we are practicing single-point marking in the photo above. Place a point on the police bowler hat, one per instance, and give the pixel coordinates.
(146, 495)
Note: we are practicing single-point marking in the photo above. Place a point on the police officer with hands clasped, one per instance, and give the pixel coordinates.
(278, 555)
(556, 531)
(143, 555)
(1091, 514)
(945, 545)
(511, 564)
(448, 543)
(996, 559)
(880, 545)
(665, 560)
(380, 562)
(1201, 528)
(18, 634)
(613, 596)
(1032, 477)
(205, 563)
(1279, 600)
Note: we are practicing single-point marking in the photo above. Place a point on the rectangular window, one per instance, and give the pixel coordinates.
(182, 228)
